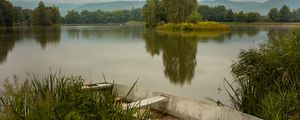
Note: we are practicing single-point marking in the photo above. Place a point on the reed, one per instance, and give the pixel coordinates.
(268, 79)
(57, 97)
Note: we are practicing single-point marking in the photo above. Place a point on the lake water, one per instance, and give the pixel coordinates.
(191, 65)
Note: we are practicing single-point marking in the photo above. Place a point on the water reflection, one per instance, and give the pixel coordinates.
(42, 35)
(7, 41)
(46, 35)
(110, 33)
(241, 31)
(178, 49)
(178, 52)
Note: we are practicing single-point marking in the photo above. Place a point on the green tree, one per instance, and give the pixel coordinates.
(18, 15)
(219, 13)
(284, 14)
(229, 16)
(72, 17)
(204, 11)
(273, 14)
(40, 16)
(7, 11)
(296, 15)
(240, 17)
(194, 17)
(150, 13)
(178, 11)
(251, 17)
(54, 14)
(27, 16)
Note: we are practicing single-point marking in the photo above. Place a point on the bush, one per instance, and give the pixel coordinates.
(194, 17)
(269, 79)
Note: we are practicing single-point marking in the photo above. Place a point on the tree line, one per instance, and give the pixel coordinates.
(99, 16)
(42, 15)
(284, 14)
(221, 14)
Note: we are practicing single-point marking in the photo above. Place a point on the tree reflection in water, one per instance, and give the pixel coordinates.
(7, 41)
(46, 35)
(178, 49)
(178, 52)
(42, 35)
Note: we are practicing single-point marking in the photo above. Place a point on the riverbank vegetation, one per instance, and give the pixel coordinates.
(200, 26)
(268, 79)
(59, 97)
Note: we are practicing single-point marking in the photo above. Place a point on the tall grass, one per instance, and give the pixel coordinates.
(200, 26)
(268, 79)
(58, 97)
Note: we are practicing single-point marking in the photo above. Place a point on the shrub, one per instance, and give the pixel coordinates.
(268, 79)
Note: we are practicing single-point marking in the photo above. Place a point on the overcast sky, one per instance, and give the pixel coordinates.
(86, 1)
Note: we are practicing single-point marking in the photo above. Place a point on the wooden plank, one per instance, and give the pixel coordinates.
(97, 86)
(146, 102)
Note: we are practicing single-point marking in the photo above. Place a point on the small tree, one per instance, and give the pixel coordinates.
(284, 14)
(273, 14)
(194, 17)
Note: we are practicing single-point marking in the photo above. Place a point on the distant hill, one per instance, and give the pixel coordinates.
(262, 8)
(63, 7)
(109, 6)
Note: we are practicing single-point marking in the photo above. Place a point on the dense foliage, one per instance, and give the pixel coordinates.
(99, 16)
(269, 79)
(42, 15)
(58, 97)
(170, 11)
(221, 14)
(284, 14)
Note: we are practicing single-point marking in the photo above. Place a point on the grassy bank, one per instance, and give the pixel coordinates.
(195, 34)
(200, 26)
(57, 97)
(268, 79)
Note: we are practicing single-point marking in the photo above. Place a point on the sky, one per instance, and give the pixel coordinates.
(86, 1)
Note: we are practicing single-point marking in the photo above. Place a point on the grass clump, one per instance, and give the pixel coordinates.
(200, 26)
(268, 79)
(58, 97)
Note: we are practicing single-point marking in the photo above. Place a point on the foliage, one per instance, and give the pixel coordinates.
(43, 15)
(99, 16)
(58, 97)
(150, 11)
(170, 11)
(194, 17)
(178, 11)
(7, 13)
(284, 14)
(268, 79)
(193, 27)
(221, 14)
(273, 14)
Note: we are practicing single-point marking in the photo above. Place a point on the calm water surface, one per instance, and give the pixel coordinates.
(191, 65)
